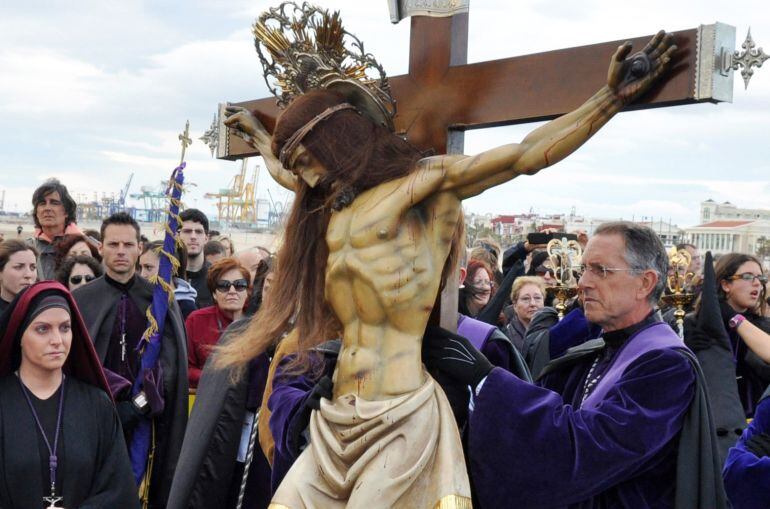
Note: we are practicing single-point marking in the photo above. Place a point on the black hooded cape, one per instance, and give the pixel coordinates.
(94, 470)
(98, 302)
(207, 467)
(717, 364)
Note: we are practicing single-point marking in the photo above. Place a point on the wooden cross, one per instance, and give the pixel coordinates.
(443, 95)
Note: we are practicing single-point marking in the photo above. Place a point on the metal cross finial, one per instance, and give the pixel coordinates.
(747, 59)
(211, 137)
(185, 139)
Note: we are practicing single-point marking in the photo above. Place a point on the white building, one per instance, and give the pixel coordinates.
(727, 236)
(711, 211)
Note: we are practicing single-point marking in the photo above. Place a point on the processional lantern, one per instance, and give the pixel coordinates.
(565, 257)
(679, 283)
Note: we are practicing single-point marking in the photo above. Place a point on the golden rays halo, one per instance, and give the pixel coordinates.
(305, 47)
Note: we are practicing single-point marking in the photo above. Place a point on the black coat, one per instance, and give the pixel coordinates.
(98, 303)
(94, 468)
(208, 475)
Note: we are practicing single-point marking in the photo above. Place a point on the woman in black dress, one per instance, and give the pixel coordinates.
(61, 444)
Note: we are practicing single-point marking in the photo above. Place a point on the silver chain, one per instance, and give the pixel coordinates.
(590, 382)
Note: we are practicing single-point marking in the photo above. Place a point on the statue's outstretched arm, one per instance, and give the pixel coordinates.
(251, 129)
(627, 79)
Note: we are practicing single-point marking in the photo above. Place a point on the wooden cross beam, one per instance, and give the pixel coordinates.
(442, 95)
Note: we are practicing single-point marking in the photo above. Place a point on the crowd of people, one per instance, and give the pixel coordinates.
(74, 307)
(74, 310)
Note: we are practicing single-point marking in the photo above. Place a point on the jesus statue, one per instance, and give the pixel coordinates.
(363, 258)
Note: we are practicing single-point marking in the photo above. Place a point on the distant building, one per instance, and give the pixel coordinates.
(712, 211)
(669, 233)
(726, 236)
(513, 227)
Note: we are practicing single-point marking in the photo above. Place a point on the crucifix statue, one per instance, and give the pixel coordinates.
(374, 228)
(442, 96)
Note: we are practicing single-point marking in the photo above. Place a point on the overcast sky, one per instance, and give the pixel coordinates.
(93, 90)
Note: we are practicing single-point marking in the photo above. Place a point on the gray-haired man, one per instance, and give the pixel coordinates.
(611, 419)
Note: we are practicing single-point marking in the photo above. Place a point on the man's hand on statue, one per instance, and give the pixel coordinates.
(322, 389)
(454, 355)
(759, 444)
(295, 439)
(247, 126)
(630, 76)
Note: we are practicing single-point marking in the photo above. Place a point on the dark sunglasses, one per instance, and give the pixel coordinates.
(542, 271)
(76, 280)
(223, 285)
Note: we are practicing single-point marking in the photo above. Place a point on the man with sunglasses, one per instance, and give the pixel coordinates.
(114, 309)
(618, 421)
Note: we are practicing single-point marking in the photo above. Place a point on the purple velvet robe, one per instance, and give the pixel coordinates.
(534, 446)
(747, 477)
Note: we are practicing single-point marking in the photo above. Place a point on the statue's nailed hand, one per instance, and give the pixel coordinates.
(630, 76)
(247, 126)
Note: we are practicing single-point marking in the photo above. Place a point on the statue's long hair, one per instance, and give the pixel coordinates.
(357, 155)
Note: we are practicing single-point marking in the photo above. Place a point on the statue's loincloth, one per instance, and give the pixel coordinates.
(404, 452)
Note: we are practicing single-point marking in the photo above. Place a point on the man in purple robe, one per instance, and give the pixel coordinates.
(747, 470)
(618, 421)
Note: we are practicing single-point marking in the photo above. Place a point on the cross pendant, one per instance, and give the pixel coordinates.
(123, 347)
(52, 501)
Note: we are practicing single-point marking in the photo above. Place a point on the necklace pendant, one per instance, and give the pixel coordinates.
(123, 347)
(52, 502)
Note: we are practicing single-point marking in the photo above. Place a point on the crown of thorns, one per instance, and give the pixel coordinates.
(304, 47)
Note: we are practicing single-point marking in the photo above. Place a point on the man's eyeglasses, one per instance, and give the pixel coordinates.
(240, 285)
(76, 280)
(748, 276)
(602, 271)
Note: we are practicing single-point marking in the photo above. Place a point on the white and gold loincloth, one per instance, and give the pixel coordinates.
(403, 452)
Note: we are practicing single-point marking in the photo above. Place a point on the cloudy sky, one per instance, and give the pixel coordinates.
(94, 90)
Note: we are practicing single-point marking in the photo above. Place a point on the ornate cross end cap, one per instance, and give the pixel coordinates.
(211, 136)
(304, 47)
(400, 9)
(746, 59)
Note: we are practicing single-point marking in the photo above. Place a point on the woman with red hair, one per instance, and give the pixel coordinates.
(229, 283)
